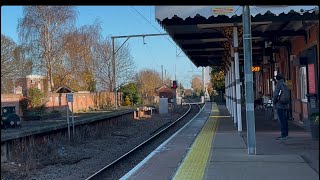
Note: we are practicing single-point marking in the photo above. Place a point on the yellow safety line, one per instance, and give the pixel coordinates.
(194, 165)
(219, 116)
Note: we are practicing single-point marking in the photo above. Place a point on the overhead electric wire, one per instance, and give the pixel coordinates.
(156, 29)
(237, 9)
(151, 24)
(148, 49)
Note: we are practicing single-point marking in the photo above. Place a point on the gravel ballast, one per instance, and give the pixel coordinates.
(81, 159)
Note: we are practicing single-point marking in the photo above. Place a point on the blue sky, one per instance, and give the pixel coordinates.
(124, 20)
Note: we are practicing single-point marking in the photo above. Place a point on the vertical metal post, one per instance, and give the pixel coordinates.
(72, 121)
(251, 136)
(229, 108)
(180, 91)
(175, 90)
(203, 83)
(114, 74)
(237, 73)
(229, 83)
(175, 71)
(227, 88)
(275, 113)
(175, 98)
(68, 119)
(231, 91)
(162, 73)
(234, 105)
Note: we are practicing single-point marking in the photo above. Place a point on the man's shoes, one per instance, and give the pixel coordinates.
(282, 138)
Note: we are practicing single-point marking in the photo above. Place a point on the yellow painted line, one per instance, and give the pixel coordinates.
(219, 116)
(194, 165)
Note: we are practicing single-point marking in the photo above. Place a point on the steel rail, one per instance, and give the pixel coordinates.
(135, 148)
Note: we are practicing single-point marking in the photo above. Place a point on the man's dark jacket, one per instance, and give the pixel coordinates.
(278, 105)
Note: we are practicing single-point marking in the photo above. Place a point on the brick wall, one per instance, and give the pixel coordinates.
(57, 101)
(299, 44)
(81, 101)
(32, 81)
(299, 108)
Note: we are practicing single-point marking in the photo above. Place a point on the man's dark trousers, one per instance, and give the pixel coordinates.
(283, 122)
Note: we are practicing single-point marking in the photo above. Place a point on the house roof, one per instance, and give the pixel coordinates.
(164, 88)
(64, 89)
(161, 87)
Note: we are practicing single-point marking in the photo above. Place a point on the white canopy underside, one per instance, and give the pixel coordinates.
(184, 12)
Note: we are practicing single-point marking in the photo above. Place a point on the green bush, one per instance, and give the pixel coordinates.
(36, 98)
(127, 101)
(131, 91)
(34, 103)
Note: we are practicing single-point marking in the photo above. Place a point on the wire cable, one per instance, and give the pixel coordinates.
(152, 24)
(153, 58)
(148, 49)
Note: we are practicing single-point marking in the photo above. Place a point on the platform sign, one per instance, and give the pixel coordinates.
(222, 10)
(69, 97)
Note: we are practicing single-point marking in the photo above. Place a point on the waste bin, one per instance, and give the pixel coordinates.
(269, 109)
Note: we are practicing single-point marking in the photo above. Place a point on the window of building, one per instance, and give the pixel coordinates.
(32, 81)
(303, 83)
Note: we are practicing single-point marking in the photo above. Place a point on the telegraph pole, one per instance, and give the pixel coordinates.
(175, 71)
(162, 73)
(203, 79)
(114, 73)
(114, 53)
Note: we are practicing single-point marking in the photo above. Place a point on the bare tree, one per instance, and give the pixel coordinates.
(104, 69)
(13, 63)
(76, 67)
(104, 73)
(22, 57)
(42, 28)
(7, 57)
(148, 80)
(196, 83)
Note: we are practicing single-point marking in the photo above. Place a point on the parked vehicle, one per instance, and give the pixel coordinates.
(9, 118)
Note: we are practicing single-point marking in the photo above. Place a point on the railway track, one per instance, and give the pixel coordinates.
(117, 168)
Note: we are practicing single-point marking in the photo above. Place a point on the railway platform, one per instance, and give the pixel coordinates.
(43, 128)
(29, 128)
(210, 147)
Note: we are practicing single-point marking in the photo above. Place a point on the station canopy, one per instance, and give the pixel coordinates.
(205, 33)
